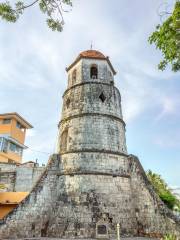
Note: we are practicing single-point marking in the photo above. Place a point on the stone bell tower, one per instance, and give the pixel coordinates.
(92, 130)
(91, 184)
(92, 141)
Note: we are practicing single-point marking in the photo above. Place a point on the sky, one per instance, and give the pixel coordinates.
(33, 78)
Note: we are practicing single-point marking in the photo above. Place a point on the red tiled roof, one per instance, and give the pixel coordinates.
(91, 54)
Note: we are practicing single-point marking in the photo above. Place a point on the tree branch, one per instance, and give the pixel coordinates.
(49, 13)
(164, 11)
(62, 8)
(27, 6)
(59, 10)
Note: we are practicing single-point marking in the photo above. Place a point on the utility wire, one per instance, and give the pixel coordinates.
(34, 150)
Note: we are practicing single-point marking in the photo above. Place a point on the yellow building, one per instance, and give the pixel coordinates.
(9, 200)
(12, 137)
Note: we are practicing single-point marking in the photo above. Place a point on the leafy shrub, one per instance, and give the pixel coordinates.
(169, 237)
(163, 191)
(168, 199)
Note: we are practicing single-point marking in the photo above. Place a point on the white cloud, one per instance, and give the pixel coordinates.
(169, 106)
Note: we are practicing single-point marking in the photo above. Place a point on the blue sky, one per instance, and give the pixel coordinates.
(33, 77)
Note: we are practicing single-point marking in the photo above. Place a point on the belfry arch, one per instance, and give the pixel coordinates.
(64, 140)
(94, 71)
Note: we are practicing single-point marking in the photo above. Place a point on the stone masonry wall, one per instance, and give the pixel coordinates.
(19, 178)
(153, 217)
(85, 98)
(34, 210)
(94, 162)
(109, 134)
(8, 176)
(8, 179)
(26, 178)
(7, 167)
(71, 205)
(66, 205)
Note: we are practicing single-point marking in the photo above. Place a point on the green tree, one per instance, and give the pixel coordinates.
(169, 199)
(53, 9)
(169, 237)
(2, 186)
(167, 39)
(163, 191)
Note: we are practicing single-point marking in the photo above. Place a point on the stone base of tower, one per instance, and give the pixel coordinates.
(89, 205)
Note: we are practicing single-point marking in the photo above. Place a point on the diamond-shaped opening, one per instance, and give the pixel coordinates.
(102, 97)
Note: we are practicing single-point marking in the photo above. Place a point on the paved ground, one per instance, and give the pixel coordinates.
(128, 238)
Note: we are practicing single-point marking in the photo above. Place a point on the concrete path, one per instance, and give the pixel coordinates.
(46, 238)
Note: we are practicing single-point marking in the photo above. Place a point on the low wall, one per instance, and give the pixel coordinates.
(26, 177)
(19, 178)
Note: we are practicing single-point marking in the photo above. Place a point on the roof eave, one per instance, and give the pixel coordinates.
(80, 57)
(17, 143)
(72, 64)
(18, 117)
(111, 66)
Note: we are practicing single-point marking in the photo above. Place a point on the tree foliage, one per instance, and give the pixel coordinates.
(167, 39)
(163, 191)
(2, 186)
(169, 237)
(53, 9)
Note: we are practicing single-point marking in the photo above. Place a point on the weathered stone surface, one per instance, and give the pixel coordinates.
(92, 180)
(26, 177)
(70, 206)
(19, 178)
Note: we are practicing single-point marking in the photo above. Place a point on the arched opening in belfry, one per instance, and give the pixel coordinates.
(110, 75)
(94, 72)
(68, 101)
(64, 138)
(74, 76)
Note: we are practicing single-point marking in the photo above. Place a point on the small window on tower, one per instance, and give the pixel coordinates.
(74, 76)
(68, 103)
(111, 78)
(94, 72)
(102, 97)
(69, 79)
(111, 82)
(64, 138)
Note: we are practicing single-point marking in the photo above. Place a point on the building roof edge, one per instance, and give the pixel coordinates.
(18, 117)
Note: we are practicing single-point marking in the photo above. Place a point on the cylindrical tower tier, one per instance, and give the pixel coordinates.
(92, 130)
